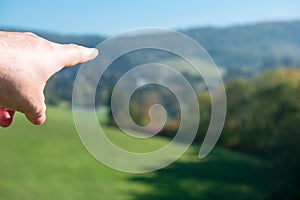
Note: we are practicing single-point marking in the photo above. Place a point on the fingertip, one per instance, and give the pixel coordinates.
(36, 119)
(5, 123)
(92, 53)
(6, 117)
(72, 54)
(40, 120)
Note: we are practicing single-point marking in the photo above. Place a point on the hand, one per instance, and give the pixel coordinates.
(26, 63)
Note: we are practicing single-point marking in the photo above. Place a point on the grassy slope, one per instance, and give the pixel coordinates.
(49, 162)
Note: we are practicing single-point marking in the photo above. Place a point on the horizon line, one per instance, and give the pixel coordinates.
(180, 29)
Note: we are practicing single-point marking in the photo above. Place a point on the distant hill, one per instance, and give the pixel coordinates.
(239, 50)
(256, 46)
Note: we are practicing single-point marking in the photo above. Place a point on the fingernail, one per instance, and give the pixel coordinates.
(6, 115)
(92, 54)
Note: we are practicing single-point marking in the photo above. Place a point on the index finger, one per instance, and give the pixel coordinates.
(72, 54)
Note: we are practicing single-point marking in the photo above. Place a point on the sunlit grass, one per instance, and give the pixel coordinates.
(50, 162)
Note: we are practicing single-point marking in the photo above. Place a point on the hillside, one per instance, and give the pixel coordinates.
(239, 50)
(50, 162)
(256, 46)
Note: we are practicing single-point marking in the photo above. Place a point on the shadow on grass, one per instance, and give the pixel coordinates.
(221, 175)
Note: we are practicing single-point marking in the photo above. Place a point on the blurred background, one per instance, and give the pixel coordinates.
(255, 44)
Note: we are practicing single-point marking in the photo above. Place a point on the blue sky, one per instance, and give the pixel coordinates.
(114, 16)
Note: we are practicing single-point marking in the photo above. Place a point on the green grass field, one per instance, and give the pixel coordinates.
(49, 162)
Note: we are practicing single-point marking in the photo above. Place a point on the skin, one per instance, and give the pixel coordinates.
(26, 63)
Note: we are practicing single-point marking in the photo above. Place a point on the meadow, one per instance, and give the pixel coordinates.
(50, 162)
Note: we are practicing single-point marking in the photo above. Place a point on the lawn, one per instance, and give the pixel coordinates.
(49, 162)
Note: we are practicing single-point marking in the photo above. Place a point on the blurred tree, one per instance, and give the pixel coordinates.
(263, 118)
